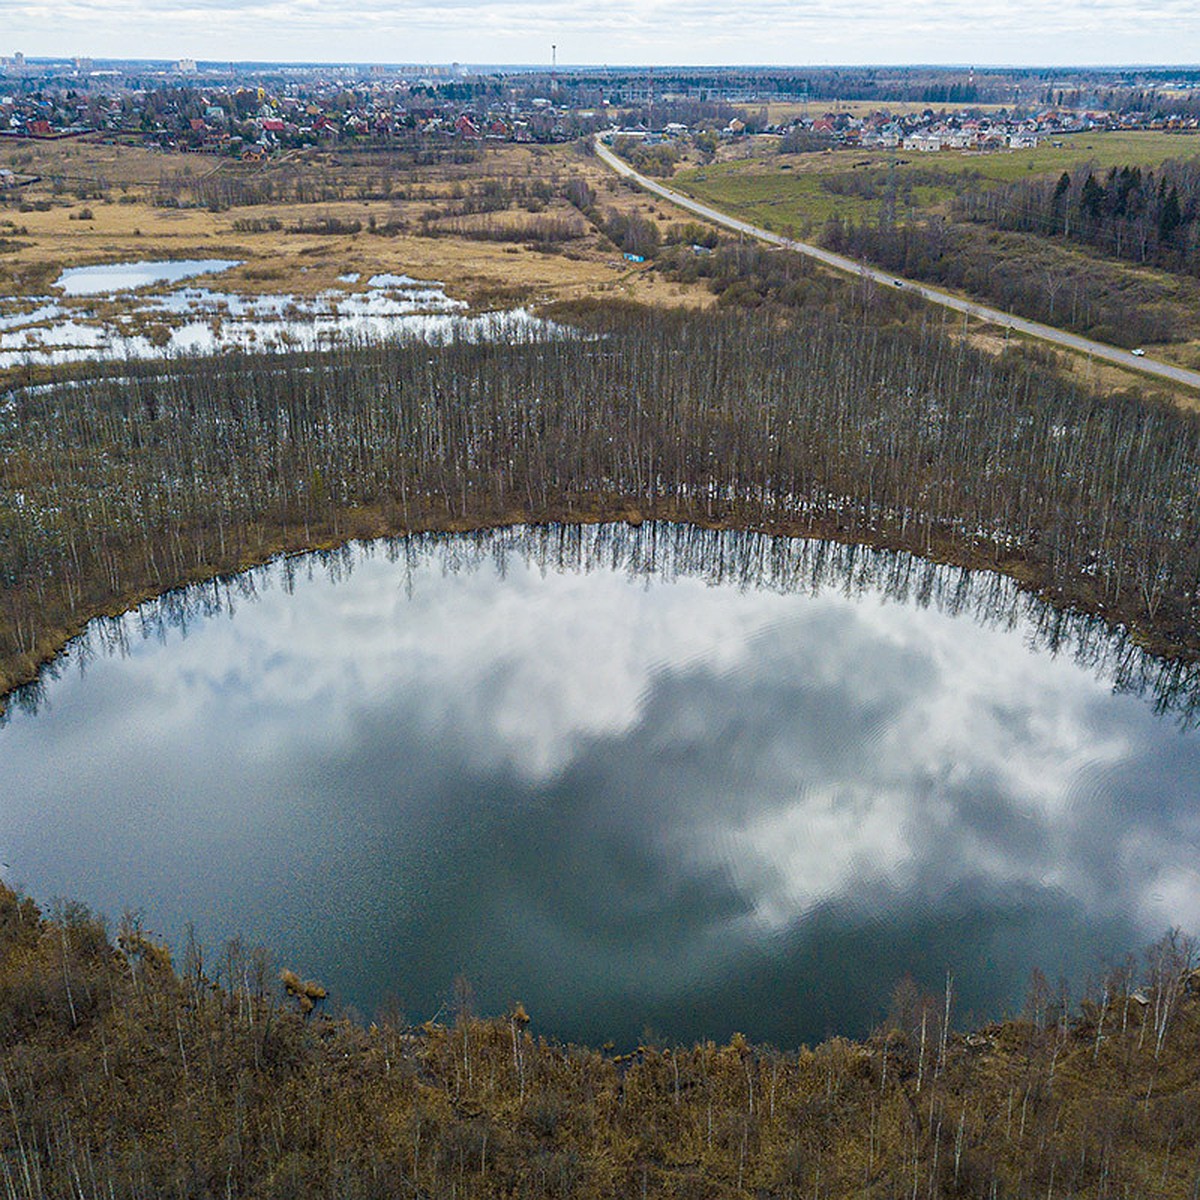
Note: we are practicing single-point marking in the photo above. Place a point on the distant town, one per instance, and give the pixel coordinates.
(256, 111)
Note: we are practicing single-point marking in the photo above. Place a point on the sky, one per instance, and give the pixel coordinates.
(620, 32)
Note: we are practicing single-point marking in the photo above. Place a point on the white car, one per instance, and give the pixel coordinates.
(1139, 353)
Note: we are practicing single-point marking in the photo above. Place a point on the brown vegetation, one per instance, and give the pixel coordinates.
(120, 1077)
(1025, 274)
(502, 225)
(1096, 233)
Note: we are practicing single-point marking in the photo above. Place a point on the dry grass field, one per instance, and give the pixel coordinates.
(101, 204)
(95, 203)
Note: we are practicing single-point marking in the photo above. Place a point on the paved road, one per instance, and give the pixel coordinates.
(1048, 333)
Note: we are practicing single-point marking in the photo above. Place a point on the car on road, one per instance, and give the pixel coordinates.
(1138, 353)
(898, 282)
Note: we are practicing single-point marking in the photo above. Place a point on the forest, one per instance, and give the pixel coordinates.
(126, 1076)
(1018, 243)
(1024, 273)
(148, 476)
(1141, 216)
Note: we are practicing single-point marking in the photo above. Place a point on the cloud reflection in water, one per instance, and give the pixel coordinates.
(629, 799)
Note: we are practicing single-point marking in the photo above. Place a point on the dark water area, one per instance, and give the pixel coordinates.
(641, 779)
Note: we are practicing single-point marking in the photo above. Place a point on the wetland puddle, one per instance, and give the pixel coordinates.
(138, 320)
(109, 278)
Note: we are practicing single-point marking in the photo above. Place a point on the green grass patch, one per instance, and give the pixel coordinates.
(761, 190)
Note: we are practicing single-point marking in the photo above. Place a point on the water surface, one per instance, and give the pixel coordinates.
(199, 320)
(649, 778)
(107, 278)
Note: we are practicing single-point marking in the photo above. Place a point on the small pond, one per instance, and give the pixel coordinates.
(109, 278)
(638, 778)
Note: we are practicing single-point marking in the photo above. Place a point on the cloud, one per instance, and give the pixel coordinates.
(673, 31)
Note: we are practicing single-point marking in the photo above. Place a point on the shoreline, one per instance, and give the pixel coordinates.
(1078, 1092)
(370, 525)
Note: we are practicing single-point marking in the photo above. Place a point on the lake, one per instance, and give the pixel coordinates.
(641, 779)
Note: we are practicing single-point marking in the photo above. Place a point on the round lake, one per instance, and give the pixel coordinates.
(653, 778)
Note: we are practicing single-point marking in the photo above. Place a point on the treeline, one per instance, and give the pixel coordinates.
(125, 1078)
(689, 111)
(656, 159)
(749, 275)
(799, 140)
(887, 184)
(1142, 216)
(550, 229)
(1022, 274)
(665, 551)
(245, 187)
(497, 193)
(130, 483)
(239, 186)
(532, 211)
(629, 232)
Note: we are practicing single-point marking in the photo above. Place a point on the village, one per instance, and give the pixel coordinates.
(927, 130)
(252, 115)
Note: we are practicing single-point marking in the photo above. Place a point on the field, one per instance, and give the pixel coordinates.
(377, 213)
(799, 194)
(322, 215)
(781, 190)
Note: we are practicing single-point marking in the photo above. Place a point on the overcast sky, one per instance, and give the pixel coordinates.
(982, 32)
